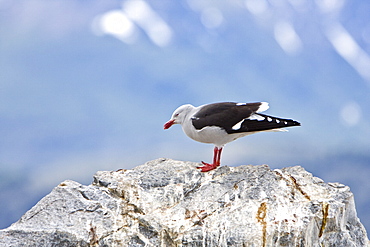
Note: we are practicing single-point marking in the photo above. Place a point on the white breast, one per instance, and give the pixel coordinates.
(210, 134)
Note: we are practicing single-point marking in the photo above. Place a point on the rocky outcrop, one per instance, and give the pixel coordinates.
(170, 203)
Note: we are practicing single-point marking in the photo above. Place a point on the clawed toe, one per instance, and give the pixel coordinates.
(207, 167)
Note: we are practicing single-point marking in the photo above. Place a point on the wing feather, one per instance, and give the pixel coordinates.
(239, 117)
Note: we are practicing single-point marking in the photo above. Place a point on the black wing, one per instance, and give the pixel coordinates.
(224, 115)
(236, 118)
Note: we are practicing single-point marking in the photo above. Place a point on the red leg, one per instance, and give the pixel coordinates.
(216, 161)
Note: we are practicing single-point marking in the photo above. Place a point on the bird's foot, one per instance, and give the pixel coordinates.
(207, 167)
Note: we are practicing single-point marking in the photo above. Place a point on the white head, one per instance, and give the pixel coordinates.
(179, 115)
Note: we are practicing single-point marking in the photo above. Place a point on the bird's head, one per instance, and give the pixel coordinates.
(178, 115)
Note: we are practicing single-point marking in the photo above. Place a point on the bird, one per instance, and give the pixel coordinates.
(224, 122)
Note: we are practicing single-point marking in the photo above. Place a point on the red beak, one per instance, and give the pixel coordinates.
(168, 124)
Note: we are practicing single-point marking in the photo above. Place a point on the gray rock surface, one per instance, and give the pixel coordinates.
(170, 203)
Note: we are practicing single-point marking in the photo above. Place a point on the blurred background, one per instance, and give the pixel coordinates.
(88, 85)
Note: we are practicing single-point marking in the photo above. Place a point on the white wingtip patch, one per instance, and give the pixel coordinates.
(238, 125)
(256, 117)
(263, 107)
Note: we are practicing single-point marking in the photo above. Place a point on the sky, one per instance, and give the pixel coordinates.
(87, 86)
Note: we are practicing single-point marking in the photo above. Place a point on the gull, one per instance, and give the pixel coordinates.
(221, 123)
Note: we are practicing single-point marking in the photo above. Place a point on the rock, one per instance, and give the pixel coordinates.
(170, 203)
